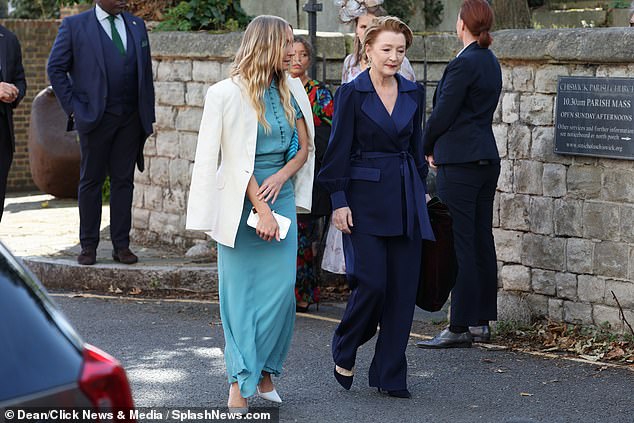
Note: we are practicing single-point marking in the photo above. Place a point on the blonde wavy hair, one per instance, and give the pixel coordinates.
(261, 51)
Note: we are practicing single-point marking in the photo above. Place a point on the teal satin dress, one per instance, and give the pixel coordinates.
(256, 277)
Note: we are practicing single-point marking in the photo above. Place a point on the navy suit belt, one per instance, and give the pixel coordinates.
(413, 184)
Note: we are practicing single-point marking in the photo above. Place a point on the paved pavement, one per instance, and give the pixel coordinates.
(44, 232)
(173, 353)
(173, 350)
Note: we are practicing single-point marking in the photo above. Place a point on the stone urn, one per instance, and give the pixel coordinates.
(53, 152)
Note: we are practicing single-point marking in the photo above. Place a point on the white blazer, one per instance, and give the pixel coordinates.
(225, 157)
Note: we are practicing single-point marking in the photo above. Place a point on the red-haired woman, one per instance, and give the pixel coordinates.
(459, 142)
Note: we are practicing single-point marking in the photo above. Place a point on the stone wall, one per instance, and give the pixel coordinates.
(563, 224)
(36, 39)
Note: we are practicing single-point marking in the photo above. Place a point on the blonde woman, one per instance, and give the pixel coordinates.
(255, 152)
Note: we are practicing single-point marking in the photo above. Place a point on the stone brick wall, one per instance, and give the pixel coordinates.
(563, 224)
(36, 39)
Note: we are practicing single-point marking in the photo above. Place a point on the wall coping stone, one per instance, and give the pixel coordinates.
(578, 45)
(575, 45)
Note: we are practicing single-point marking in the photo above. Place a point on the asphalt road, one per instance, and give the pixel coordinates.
(173, 356)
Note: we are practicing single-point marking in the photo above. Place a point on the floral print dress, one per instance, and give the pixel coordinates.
(309, 226)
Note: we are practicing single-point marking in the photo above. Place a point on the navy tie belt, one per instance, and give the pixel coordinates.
(414, 187)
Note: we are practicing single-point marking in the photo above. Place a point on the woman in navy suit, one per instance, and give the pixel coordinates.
(374, 170)
(459, 141)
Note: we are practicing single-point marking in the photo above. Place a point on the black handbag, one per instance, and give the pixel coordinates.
(439, 266)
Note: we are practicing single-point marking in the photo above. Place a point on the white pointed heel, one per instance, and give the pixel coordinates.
(272, 396)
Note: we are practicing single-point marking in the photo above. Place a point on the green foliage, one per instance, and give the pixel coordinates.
(35, 9)
(194, 15)
(620, 4)
(4, 9)
(105, 191)
(405, 9)
(433, 12)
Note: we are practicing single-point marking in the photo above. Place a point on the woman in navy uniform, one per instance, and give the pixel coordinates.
(459, 141)
(374, 170)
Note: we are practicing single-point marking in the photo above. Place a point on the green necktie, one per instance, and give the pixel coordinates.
(116, 38)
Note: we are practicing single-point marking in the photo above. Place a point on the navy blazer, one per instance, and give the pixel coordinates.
(78, 74)
(374, 162)
(13, 73)
(459, 128)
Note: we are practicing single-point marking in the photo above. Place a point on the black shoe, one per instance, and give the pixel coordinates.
(345, 381)
(88, 257)
(302, 309)
(399, 393)
(447, 339)
(480, 333)
(124, 256)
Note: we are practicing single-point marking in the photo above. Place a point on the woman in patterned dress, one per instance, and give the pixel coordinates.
(310, 226)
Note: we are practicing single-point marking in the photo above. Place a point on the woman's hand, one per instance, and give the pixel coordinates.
(342, 218)
(271, 187)
(430, 161)
(427, 198)
(267, 227)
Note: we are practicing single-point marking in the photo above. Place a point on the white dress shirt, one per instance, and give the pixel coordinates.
(102, 17)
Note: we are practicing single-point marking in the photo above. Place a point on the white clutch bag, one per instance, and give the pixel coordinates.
(283, 222)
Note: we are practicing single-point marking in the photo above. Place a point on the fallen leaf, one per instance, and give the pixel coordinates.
(136, 291)
(488, 360)
(615, 354)
(500, 371)
(526, 394)
(44, 204)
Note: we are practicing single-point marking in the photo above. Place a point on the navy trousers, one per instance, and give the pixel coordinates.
(110, 149)
(468, 190)
(6, 157)
(383, 275)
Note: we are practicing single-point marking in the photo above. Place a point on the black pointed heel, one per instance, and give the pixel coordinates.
(345, 381)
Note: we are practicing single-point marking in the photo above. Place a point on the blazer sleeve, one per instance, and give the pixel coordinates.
(60, 62)
(203, 183)
(448, 102)
(416, 140)
(148, 75)
(335, 171)
(18, 79)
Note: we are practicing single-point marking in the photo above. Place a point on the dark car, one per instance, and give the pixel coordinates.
(43, 361)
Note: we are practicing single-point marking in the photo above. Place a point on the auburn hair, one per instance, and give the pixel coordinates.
(477, 15)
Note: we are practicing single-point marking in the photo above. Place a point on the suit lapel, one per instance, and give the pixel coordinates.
(92, 29)
(372, 105)
(134, 29)
(404, 109)
(374, 109)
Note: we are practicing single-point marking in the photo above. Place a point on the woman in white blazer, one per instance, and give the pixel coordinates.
(255, 151)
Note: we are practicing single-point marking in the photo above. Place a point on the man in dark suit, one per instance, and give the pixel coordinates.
(101, 71)
(12, 90)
